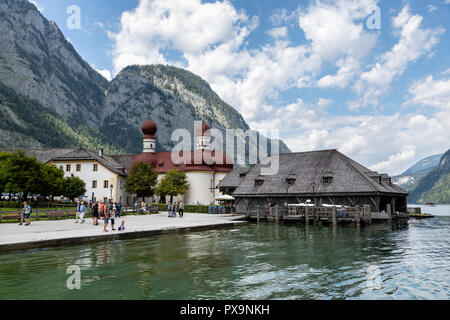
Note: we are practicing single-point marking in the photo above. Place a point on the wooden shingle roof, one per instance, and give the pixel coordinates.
(310, 169)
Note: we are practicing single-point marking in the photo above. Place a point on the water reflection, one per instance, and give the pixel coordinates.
(256, 261)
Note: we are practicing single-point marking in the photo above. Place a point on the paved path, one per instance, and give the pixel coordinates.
(62, 232)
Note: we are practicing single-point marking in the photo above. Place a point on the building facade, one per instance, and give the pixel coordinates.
(105, 175)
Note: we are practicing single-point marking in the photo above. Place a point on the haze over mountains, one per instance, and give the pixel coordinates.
(50, 97)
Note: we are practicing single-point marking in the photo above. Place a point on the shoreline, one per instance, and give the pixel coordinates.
(66, 232)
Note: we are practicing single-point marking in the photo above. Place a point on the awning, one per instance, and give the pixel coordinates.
(225, 197)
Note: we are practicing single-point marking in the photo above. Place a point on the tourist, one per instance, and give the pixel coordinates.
(105, 219)
(77, 214)
(112, 215)
(181, 209)
(119, 209)
(143, 208)
(101, 209)
(82, 211)
(169, 209)
(95, 213)
(26, 214)
(122, 226)
(106, 211)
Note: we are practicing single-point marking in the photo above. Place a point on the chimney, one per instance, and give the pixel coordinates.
(100, 152)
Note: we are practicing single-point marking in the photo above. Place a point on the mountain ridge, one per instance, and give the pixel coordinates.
(41, 70)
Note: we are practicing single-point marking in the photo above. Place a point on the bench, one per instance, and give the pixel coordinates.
(153, 209)
(9, 215)
(55, 214)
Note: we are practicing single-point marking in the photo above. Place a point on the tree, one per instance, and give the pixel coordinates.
(173, 184)
(142, 180)
(53, 181)
(73, 187)
(4, 156)
(21, 174)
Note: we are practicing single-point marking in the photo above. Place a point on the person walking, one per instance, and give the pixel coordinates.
(112, 215)
(25, 214)
(82, 211)
(95, 213)
(77, 214)
(169, 209)
(181, 209)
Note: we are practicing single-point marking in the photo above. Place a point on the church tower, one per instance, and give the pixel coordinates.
(149, 129)
(202, 137)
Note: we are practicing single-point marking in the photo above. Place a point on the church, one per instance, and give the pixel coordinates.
(105, 175)
(203, 172)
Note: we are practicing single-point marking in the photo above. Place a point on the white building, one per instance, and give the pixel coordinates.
(203, 176)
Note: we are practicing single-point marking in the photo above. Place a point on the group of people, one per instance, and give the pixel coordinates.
(108, 211)
(173, 208)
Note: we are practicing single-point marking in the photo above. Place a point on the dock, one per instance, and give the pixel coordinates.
(327, 215)
(50, 233)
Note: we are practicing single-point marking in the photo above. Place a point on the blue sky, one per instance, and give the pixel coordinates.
(314, 70)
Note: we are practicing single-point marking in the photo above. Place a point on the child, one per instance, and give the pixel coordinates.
(122, 226)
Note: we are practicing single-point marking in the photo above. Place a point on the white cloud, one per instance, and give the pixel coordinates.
(211, 40)
(106, 74)
(213, 44)
(99, 24)
(430, 92)
(276, 33)
(431, 8)
(37, 5)
(399, 159)
(414, 42)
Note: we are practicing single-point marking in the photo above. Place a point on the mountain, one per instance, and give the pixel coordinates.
(409, 179)
(435, 185)
(50, 97)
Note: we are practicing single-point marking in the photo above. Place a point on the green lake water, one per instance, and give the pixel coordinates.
(254, 261)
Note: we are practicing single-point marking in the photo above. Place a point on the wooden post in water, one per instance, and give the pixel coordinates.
(334, 216)
(257, 215)
(358, 216)
(307, 215)
(368, 213)
(389, 213)
(276, 214)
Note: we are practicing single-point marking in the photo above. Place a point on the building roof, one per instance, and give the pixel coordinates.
(83, 154)
(234, 178)
(347, 176)
(191, 161)
(43, 155)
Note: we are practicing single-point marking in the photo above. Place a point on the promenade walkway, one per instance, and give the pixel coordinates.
(64, 232)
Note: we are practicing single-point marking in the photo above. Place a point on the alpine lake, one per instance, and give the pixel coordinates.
(252, 261)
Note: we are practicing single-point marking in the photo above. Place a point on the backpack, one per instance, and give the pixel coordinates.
(31, 210)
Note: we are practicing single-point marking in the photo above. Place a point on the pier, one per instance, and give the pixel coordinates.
(50, 233)
(358, 215)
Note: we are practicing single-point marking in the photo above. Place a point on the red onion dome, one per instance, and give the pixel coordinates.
(202, 130)
(149, 128)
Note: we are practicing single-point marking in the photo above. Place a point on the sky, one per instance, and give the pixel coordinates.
(369, 78)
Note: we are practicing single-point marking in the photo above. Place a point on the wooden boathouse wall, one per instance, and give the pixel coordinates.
(333, 215)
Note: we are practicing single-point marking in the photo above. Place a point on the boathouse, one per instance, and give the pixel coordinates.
(322, 177)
